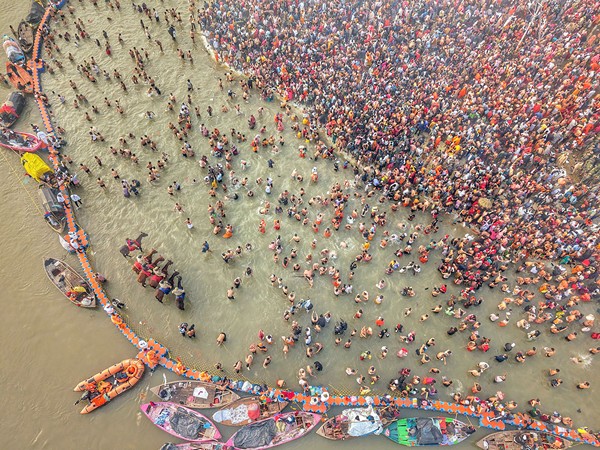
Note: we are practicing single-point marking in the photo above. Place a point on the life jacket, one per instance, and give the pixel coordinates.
(104, 387)
(152, 359)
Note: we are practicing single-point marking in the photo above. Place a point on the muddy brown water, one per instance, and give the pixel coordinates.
(49, 345)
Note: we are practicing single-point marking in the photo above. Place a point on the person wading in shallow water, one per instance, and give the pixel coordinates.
(451, 171)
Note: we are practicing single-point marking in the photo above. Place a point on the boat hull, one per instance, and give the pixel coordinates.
(133, 368)
(196, 446)
(247, 410)
(352, 423)
(163, 415)
(26, 34)
(518, 439)
(310, 421)
(67, 280)
(21, 142)
(54, 211)
(420, 431)
(57, 224)
(195, 394)
(12, 108)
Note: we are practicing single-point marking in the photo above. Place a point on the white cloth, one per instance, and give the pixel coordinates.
(42, 137)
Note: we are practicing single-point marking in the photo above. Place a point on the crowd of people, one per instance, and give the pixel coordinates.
(492, 83)
(470, 105)
(452, 107)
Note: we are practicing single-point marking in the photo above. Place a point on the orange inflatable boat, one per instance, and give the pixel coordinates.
(100, 391)
(19, 77)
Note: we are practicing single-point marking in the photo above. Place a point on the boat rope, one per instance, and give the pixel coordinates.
(468, 419)
(17, 177)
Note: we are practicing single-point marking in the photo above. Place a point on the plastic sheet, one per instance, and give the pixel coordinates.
(187, 425)
(35, 13)
(255, 435)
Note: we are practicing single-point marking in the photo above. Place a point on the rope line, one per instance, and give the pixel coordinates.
(19, 180)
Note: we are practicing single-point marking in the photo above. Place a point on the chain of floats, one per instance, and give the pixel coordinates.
(160, 354)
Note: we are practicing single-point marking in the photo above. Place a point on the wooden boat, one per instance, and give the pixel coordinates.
(354, 422)
(522, 440)
(19, 77)
(275, 431)
(19, 141)
(28, 27)
(36, 12)
(416, 431)
(98, 391)
(196, 446)
(195, 394)
(70, 283)
(181, 422)
(26, 36)
(54, 211)
(12, 109)
(247, 410)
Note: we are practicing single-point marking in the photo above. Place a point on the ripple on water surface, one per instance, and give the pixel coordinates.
(109, 218)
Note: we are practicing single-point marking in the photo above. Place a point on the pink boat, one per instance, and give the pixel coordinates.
(280, 429)
(19, 141)
(181, 422)
(196, 446)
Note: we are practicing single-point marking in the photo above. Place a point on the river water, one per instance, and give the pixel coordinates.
(50, 345)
